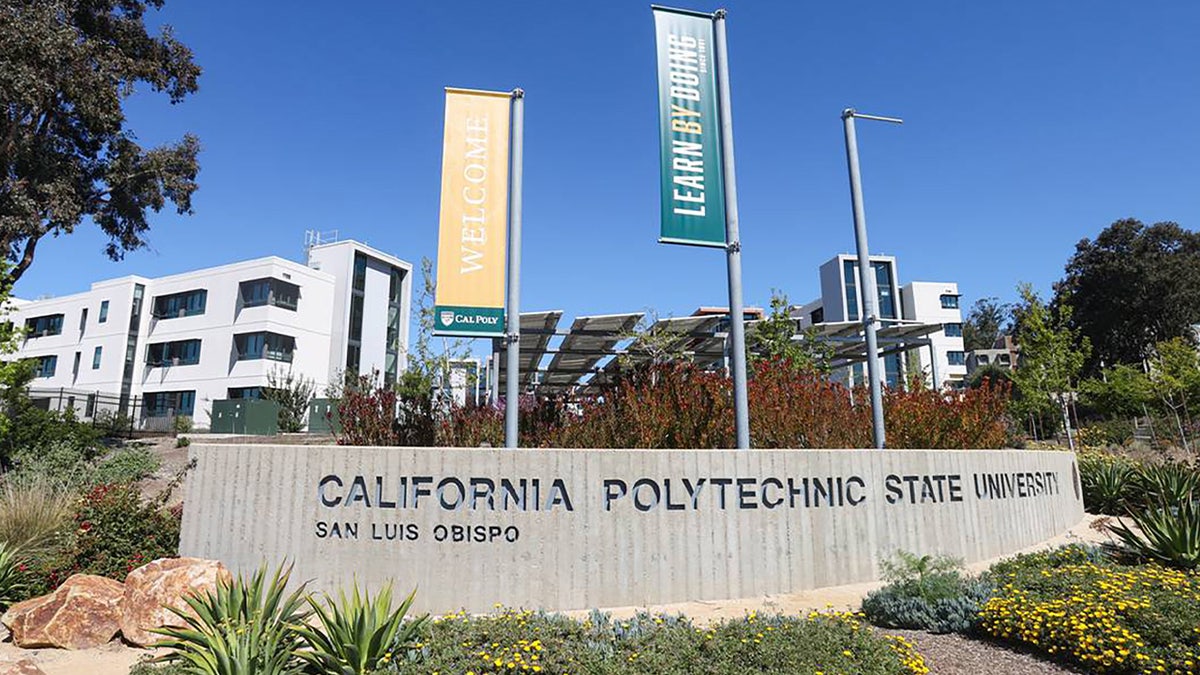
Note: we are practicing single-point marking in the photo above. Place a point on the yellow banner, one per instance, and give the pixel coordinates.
(473, 226)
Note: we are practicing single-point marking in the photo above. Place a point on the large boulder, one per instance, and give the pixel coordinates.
(152, 588)
(81, 614)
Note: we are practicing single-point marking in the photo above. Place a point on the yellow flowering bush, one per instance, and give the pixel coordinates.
(518, 641)
(1071, 603)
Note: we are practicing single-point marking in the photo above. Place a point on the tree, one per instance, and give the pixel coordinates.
(1131, 288)
(1175, 374)
(1121, 391)
(651, 345)
(427, 367)
(1052, 356)
(293, 394)
(66, 154)
(773, 339)
(985, 323)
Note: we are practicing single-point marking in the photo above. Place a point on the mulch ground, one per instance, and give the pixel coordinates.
(953, 654)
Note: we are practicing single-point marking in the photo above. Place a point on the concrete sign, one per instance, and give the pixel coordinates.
(575, 529)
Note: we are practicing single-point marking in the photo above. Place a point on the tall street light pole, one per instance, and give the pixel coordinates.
(866, 276)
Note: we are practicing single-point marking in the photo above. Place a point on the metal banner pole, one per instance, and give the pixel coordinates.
(866, 277)
(512, 390)
(737, 328)
(494, 373)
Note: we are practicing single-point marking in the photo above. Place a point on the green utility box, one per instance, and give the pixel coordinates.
(323, 416)
(245, 416)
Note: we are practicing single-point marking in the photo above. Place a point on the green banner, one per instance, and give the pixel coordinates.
(693, 194)
(468, 321)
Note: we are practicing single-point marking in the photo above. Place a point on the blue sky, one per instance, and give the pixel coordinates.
(1028, 125)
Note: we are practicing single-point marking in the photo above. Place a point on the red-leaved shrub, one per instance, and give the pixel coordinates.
(681, 406)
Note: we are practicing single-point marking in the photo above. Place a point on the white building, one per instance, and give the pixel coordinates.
(918, 302)
(156, 348)
(938, 302)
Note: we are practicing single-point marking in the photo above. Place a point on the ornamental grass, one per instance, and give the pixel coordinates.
(1073, 604)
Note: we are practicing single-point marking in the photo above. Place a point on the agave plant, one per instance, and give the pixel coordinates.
(359, 634)
(1107, 484)
(244, 627)
(1168, 485)
(1168, 535)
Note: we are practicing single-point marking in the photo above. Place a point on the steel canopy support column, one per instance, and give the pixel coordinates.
(933, 366)
(512, 392)
(737, 328)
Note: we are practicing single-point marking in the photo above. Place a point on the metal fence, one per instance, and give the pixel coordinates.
(108, 412)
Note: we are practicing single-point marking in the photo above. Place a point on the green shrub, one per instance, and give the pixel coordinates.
(1117, 432)
(183, 442)
(149, 667)
(111, 424)
(657, 645)
(33, 432)
(243, 627)
(63, 464)
(35, 516)
(926, 593)
(124, 465)
(182, 424)
(358, 634)
(114, 531)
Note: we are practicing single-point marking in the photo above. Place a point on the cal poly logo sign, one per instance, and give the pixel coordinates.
(447, 318)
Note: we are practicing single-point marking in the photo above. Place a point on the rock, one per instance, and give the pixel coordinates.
(153, 587)
(82, 613)
(22, 667)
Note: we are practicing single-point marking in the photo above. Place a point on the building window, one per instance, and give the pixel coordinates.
(90, 407)
(851, 290)
(269, 292)
(354, 339)
(83, 319)
(883, 285)
(188, 303)
(396, 286)
(41, 326)
(162, 403)
(96, 359)
(356, 317)
(1004, 360)
(949, 301)
(360, 272)
(46, 366)
(180, 353)
(391, 361)
(891, 370)
(981, 359)
(254, 393)
(75, 368)
(952, 329)
(271, 346)
(103, 311)
(817, 315)
(956, 358)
